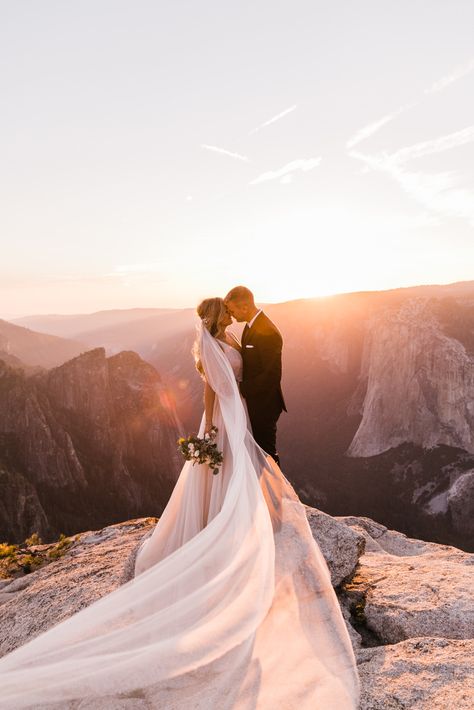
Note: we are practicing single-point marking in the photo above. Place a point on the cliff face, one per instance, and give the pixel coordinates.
(380, 396)
(419, 384)
(91, 440)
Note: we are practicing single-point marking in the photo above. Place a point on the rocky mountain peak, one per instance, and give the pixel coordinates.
(94, 438)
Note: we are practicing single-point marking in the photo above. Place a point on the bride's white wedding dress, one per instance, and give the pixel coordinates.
(231, 605)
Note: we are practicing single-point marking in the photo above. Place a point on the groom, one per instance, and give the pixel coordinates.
(261, 354)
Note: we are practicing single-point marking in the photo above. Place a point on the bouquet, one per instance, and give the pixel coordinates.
(202, 450)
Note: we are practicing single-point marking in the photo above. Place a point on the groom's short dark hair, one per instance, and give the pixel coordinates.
(240, 293)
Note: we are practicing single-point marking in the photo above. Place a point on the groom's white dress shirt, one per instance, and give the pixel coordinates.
(251, 322)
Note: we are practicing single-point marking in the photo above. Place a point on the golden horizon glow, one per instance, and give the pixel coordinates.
(128, 186)
(262, 299)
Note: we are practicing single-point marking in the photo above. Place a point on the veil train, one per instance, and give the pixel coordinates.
(231, 604)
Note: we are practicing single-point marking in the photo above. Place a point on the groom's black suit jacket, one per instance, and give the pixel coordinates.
(261, 355)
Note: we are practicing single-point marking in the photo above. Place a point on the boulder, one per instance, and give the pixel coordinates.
(418, 674)
(412, 588)
(340, 544)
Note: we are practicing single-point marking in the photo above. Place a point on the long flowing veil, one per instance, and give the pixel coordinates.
(231, 605)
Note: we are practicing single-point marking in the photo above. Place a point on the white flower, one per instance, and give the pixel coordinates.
(206, 435)
(191, 447)
(196, 453)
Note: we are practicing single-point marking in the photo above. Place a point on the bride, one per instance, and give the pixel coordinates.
(231, 604)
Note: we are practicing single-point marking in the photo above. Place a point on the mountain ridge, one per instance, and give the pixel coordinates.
(34, 348)
(379, 394)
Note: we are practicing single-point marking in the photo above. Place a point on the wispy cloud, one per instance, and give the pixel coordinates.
(459, 72)
(440, 192)
(439, 85)
(375, 126)
(285, 173)
(437, 145)
(130, 275)
(223, 151)
(273, 119)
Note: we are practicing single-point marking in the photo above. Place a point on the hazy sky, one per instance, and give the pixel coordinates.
(155, 153)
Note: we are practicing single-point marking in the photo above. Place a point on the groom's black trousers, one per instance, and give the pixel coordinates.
(264, 426)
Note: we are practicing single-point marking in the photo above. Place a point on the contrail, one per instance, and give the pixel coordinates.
(272, 120)
(215, 149)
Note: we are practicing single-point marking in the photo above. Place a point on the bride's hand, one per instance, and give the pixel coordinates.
(208, 428)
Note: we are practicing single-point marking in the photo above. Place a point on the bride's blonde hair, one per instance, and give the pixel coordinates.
(212, 311)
